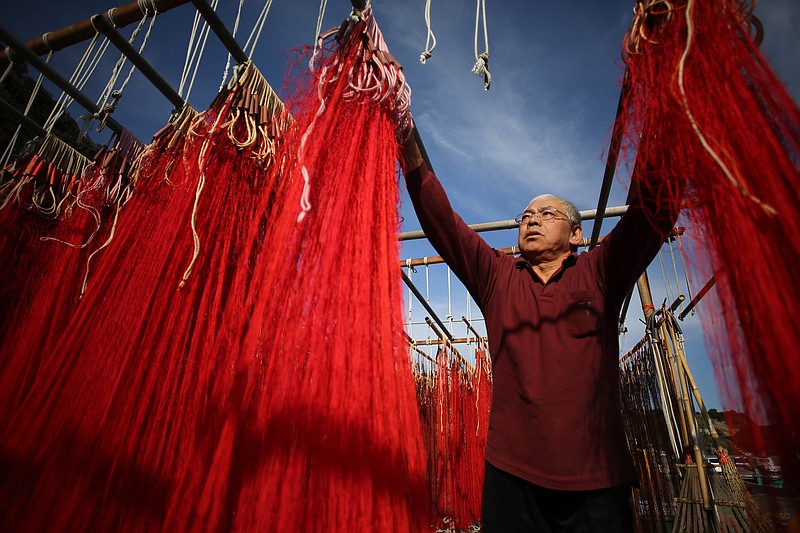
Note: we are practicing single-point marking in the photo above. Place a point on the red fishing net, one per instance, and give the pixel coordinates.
(454, 399)
(99, 437)
(705, 109)
(316, 427)
(54, 208)
(231, 366)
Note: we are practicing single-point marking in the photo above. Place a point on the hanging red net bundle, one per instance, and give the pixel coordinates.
(704, 108)
(56, 206)
(317, 428)
(454, 400)
(105, 426)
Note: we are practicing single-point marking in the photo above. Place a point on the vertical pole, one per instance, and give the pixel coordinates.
(611, 163)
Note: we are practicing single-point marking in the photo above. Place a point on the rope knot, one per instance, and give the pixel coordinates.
(481, 68)
(424, 56)
(359, 6)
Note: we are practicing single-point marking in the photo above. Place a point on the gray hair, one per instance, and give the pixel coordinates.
(569, 208)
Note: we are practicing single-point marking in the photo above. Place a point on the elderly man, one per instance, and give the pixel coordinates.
(556, 456)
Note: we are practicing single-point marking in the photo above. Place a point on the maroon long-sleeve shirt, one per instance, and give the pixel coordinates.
(556, 417)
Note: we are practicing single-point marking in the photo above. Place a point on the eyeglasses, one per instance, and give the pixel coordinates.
(545, 215)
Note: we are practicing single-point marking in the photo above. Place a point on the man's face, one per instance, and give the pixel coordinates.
(541, 239)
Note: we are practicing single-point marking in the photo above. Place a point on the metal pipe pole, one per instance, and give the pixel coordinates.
(83, 31)
(214, 22)
(511, 224)
(447, 342)
(55, 77)
(587, 214)
(104, 26)
(611, 163)
(437, 259)
(699, 296)
(457, 340)
(21, 119)
(425, 304)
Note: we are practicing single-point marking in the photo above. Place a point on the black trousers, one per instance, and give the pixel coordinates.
(511, 504)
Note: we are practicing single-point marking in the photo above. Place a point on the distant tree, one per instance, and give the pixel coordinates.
(16, 90)
(716, 415)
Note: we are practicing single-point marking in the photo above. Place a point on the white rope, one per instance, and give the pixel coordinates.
(665, 276)
(141, 49)
(481, 9)
(80, 75)
(427, 279)
(674, 268)
(305, 198)
(34, 93)
(481, 67)
(427, 297)
(685, 272)
(106, 93)
(10, 147)
(410, 269)
(449, 301)
(189, 59)
(198, 51)
(255, 33)
(430, 40)
(7, 72)
(323, 4)
(228, 60)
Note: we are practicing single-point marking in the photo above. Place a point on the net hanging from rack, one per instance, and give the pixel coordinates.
(317, 426)
(454, 402)
(705, 107)
(96, 439)
(54, 209)
(209, 379)
(646, 414)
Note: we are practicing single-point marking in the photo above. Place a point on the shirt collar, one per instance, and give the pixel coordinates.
(569, 261)
(522, 263)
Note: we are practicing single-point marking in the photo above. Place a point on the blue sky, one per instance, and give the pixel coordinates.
(543, 127)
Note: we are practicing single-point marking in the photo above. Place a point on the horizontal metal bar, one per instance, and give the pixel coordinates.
(437, 259)
(457, 340)
(104, 26)
(588, 214)
(699, 296)
(82, 31)
(55, 77)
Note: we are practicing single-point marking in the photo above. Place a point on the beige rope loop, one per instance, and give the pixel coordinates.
(46, 40)
(249, 125)
(143, 7)
(645, 15)
(110, 15)
(11, 59)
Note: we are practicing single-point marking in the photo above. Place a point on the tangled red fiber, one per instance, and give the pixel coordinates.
(705, 107)
(318, 429)
(454, 401)
(267, 388)
(52, 221)
(103, 429)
